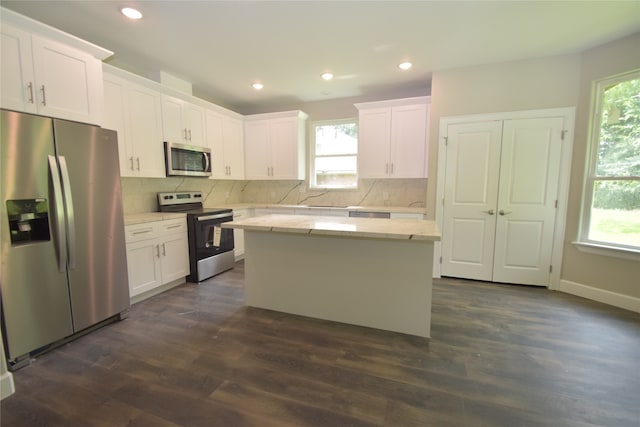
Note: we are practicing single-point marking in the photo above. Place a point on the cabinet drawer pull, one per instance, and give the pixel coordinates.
(145, 231)
(30, 86)
(174, 226)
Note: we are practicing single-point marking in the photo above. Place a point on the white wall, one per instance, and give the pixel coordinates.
(561, 81)
(508, 86)
(614, 275)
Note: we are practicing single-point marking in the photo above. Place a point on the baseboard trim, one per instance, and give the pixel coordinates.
(600, 295)
(156, 291)
(7, 387)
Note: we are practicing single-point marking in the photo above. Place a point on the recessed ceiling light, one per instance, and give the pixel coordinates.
(131, 13)
(257, 86)
(327, 76)
(405, 65)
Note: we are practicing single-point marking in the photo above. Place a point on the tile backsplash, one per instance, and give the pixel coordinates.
(139, 194)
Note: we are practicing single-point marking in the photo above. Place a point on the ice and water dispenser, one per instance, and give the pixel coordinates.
(28, 220)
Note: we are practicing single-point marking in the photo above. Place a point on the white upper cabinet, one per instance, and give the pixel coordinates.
(48, 72)
(182, 121)
(393, 138)
(225, 138)
(275, 145)
(134, 111)
(18, 83)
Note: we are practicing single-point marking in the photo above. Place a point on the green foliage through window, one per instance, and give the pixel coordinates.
(335, 155)
(614, 217)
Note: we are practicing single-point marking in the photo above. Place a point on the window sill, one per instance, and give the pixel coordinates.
(611, 251)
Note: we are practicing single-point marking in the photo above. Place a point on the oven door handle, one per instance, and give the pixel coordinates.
(216, 216)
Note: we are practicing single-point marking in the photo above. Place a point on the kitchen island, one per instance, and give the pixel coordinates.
(362, 271)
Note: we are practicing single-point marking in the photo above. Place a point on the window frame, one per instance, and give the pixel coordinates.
(312, 153)
(590, 177)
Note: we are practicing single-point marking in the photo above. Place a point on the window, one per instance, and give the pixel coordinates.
(334, 154)
(612, 196)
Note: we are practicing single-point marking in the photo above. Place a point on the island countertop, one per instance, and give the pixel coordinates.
(380, 228)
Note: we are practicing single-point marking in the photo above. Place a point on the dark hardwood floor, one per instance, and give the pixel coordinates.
(499, 355)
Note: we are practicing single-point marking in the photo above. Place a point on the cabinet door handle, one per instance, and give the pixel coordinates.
(189, 134)
(391, 168)
(44, 96)
(185, 133)
(30, 86)
(138, 160)
(158, 251)
(144, 231)
(131, 160)
(386, 168)
(164, 250)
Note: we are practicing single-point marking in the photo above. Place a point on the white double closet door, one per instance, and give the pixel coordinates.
(500, 199)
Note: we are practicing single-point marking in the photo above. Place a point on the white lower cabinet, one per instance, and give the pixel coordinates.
(157, 254)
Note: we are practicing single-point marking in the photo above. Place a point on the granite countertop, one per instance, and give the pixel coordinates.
(345, 208)
(140, 218)
(336, 226)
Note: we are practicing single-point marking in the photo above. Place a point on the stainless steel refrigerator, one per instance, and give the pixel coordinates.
(63, 263)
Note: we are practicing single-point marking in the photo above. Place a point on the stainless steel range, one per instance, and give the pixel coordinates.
(210, 246)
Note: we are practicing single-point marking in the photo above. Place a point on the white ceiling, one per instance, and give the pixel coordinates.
(221, 47)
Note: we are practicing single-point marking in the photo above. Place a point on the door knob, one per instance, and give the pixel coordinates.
(503, 212)
(490, 212)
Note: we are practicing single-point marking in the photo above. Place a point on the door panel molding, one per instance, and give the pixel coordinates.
(567, 117)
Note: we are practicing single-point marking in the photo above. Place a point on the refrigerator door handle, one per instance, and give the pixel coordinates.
(58, 214)
(68, 205)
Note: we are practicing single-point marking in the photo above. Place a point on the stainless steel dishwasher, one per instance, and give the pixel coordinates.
(369, 214)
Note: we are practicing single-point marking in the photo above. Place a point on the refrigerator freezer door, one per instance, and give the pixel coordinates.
(35, 295)
(98, 282)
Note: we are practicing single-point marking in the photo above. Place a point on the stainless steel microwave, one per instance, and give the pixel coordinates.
(187, 160)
